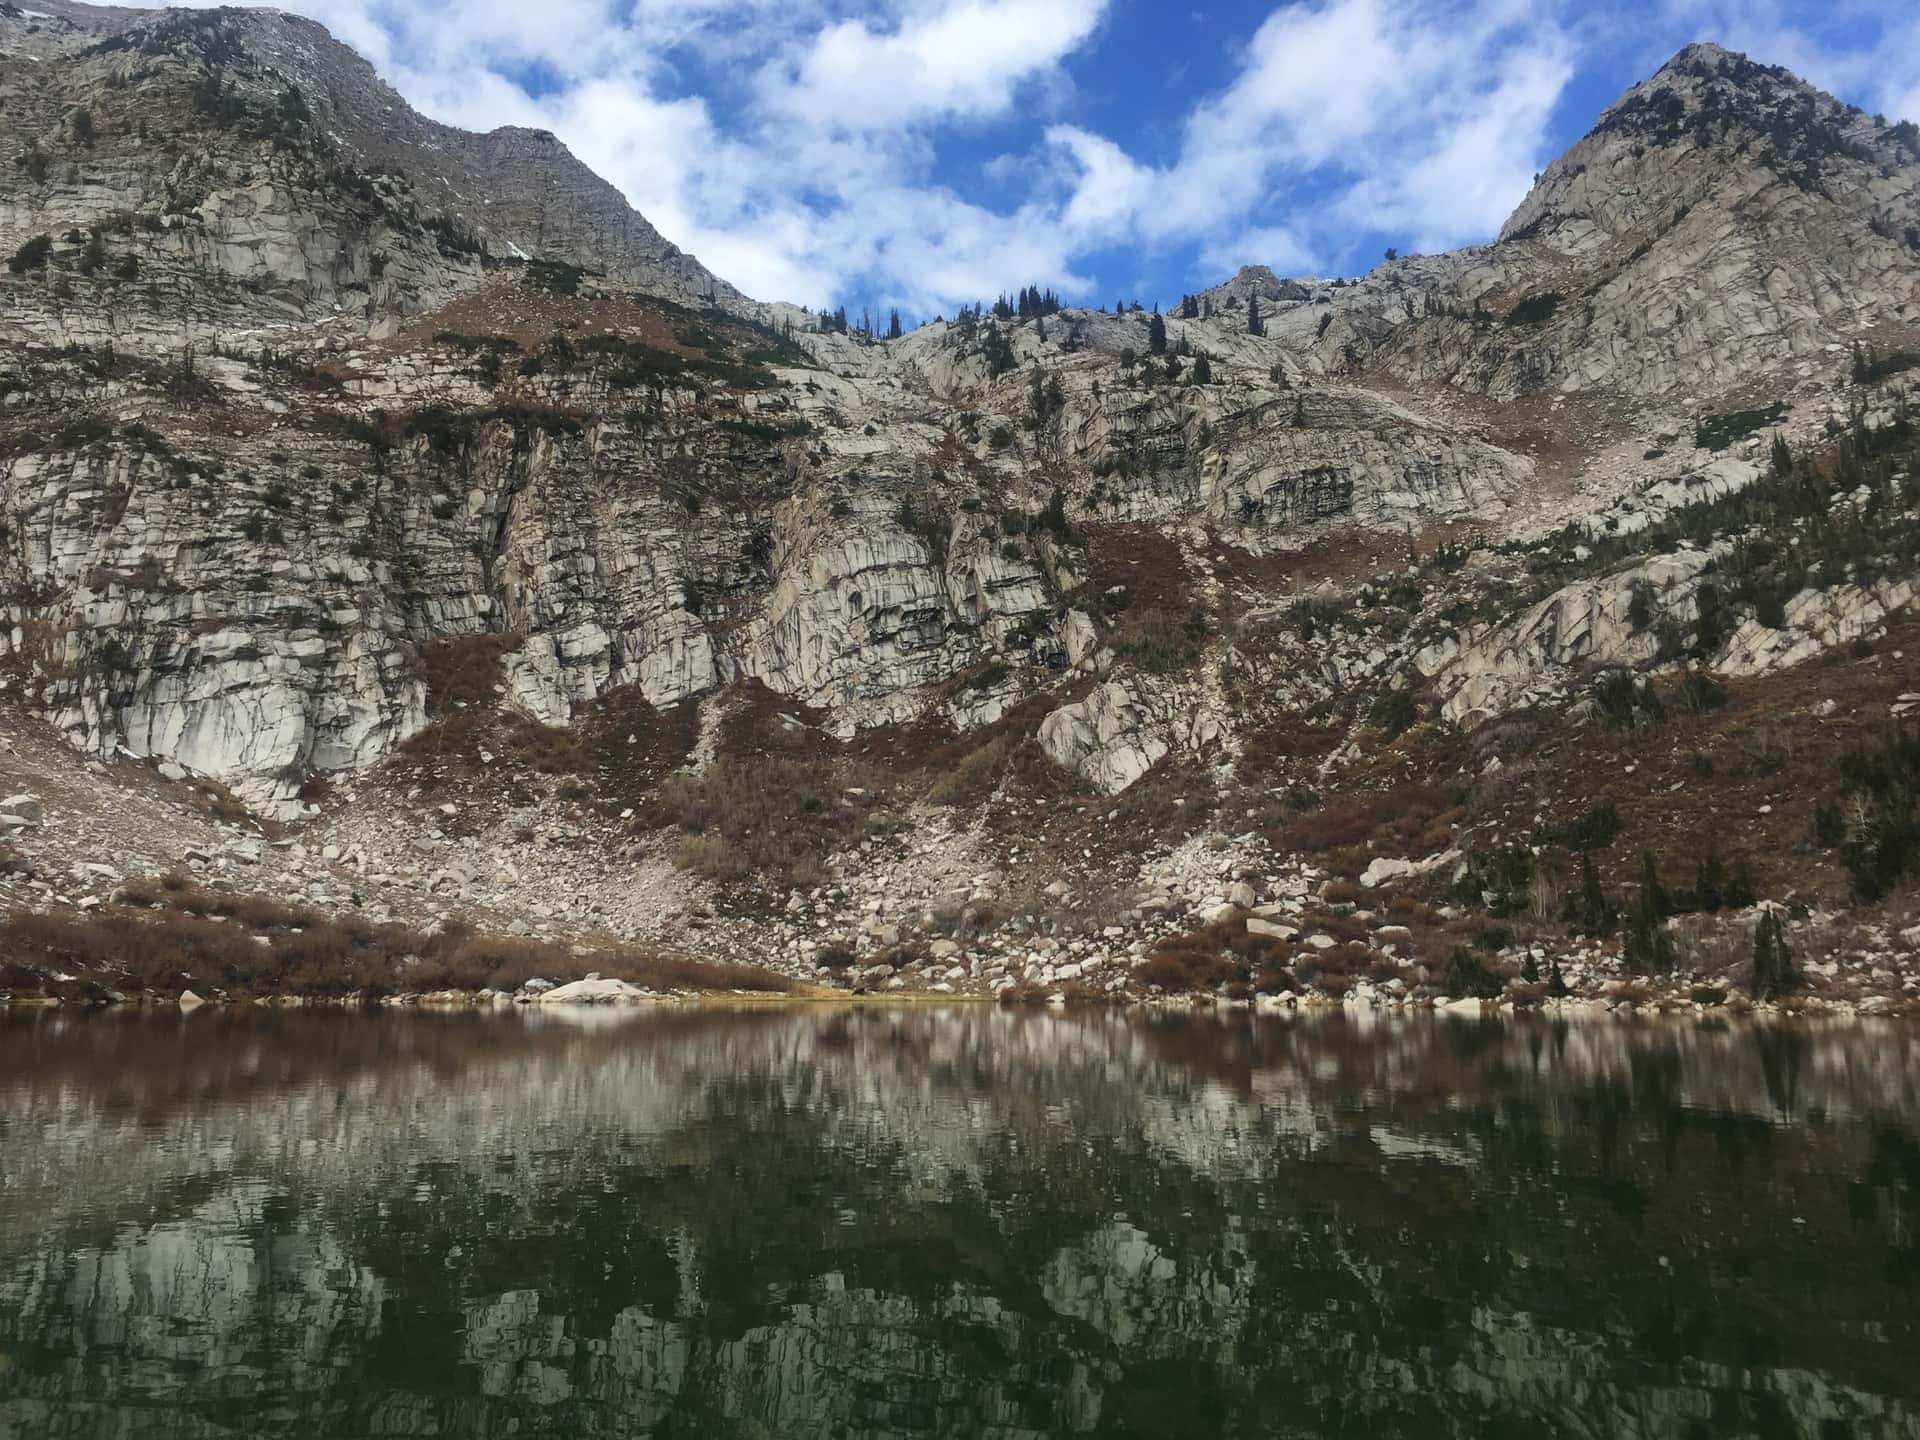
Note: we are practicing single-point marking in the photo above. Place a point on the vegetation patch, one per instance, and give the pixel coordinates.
(1717, 432)
(1534, 310)
(175, 935)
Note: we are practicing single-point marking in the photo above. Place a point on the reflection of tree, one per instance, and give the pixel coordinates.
(889, 1222)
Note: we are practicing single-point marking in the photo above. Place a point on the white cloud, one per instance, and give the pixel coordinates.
(794, 145)
(963, 60)
(1278, 247)
(1422, 118)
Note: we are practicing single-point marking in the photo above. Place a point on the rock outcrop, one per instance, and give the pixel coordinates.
(1109, 738)
(300, 393)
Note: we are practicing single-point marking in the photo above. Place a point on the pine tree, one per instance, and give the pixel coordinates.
(1782, 456)
(1648, 948)
(1255, 325)
(1653, 894)
(1710, 880)
(1556, 982)
(1156, 336)
(1202, 371)
(1773, 968)
(893, 326)
(1593, 913)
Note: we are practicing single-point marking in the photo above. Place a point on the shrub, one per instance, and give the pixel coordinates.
(1314, 614)
(1870, 367)
(1158, 641)
(1468, 977)
(1626, 703)
(930, 527)
(1534, 310)
(1701, 693)
(1874, 821)
(1180, 964)
(1595, 829)
(181, 946)
(1640, 605)
(1394, 713)
(767, 818)
(32, 255)
(1717, 432)
(1417, 818)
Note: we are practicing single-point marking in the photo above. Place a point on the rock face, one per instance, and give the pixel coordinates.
(301, 393)
(1720, 219)
(1109, 738)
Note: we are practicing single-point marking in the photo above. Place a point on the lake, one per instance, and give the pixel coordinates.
(799, 1220)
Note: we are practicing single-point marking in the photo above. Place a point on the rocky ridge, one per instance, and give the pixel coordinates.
(409, 487)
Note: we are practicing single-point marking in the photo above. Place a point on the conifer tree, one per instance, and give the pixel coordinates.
(1653, 893)
(1156, 336)
(1648, 948)
(1593, 912)
(1255, 325)
(1774, 973)
(1710, 880)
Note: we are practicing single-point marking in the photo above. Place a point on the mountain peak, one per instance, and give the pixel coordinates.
(1711, 120)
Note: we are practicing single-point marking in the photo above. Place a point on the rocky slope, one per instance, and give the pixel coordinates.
(407, 486)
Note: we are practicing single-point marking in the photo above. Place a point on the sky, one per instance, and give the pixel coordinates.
(927, 153)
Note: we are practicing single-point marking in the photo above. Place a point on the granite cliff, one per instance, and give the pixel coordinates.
(405, 489)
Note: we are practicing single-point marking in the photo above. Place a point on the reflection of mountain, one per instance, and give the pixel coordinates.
(876, 1222)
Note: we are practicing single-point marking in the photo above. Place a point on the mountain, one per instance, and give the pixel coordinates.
(395, 521)
(290, 182)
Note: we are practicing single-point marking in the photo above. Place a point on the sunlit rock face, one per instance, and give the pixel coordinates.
(305, 384)
(858, 1221)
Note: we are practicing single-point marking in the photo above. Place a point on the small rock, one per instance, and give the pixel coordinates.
(24, 809)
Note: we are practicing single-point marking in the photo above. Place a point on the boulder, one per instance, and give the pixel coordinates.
(1108, 739)
(23, 810)
(594, 991)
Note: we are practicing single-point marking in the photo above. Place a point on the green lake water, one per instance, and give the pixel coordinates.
(832, 1221)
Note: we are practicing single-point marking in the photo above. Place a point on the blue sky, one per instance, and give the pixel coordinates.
(922, 153)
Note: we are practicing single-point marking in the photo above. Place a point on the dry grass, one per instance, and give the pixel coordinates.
(1221, 953)
(1410, 820)
(1744, 779)
(462, 673)
(770, 817)
(977, 774)
(183, 936)
(1346, 892)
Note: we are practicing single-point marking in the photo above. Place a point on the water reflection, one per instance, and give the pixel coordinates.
(796, 1221)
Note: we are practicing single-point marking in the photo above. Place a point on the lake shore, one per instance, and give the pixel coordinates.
(177, 941)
